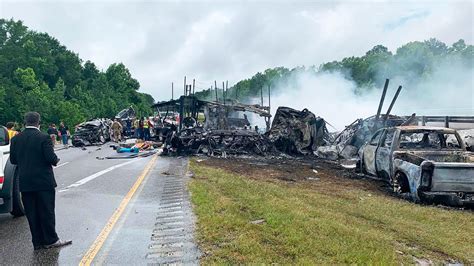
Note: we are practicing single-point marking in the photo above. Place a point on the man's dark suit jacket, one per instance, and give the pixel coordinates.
(33, 152)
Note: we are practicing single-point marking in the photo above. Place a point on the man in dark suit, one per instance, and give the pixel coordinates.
(32, 151)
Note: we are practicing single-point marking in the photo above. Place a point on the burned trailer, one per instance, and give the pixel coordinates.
(232, 116)
(298, 132)
(91, 133)
(222, 143)
(224, 131)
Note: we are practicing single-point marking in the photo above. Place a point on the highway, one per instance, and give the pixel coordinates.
(116, 211)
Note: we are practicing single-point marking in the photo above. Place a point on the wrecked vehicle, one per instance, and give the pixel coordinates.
(92, 133)
(347, 143)
(226, 129)
(298, 132)
(220, 142)
(420, 164)
(128, 113)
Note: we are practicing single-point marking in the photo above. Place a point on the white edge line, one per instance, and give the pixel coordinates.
(94, 176)
(61, 164)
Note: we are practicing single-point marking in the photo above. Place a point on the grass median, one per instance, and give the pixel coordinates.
(302, 224)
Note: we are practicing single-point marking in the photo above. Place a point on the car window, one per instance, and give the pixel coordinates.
(376, 138)
(3, 136)
(388, 138)
(428, 140)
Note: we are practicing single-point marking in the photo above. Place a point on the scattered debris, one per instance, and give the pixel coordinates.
(259, 221)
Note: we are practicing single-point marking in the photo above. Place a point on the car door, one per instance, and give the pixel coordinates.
(369, 152)
(383, 154)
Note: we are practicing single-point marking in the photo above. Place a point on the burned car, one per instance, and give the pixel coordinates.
(91, 133)
(298, 132)
(422, 163)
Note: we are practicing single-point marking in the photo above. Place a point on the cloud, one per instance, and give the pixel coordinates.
(162, 41)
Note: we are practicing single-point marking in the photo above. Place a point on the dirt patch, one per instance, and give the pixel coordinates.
(325, 176)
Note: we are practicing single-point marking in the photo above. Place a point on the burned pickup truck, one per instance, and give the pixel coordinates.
(421, 163)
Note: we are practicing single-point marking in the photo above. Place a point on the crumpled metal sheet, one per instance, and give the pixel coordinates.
(297, 132)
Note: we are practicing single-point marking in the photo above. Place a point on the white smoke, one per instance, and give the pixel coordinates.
(328, 95)
(448, 90)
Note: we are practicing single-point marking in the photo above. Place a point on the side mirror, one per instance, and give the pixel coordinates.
(4, 138)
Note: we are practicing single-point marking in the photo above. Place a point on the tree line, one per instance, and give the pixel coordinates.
(414, 61)
(37, 73)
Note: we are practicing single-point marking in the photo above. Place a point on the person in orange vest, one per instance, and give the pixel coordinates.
(11, 130)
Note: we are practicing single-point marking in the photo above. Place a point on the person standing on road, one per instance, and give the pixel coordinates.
(135, 128)
(53, 133)
(32, 151)
(146, 129)
(116, 130)
(128, 127)
(140, 129)
(11, 130)
(64, 133)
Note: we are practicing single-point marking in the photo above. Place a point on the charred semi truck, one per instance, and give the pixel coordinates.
(422, 163)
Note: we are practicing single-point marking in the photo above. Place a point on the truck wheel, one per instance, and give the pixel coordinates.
(400, 184)
(18, 209)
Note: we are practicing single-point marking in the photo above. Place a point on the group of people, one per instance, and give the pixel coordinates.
(141, 127)
(54, 133)
(62, 133)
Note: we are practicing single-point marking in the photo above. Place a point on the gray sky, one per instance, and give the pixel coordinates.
(160, 42)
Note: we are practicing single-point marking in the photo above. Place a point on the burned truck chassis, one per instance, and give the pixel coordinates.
(220, 143)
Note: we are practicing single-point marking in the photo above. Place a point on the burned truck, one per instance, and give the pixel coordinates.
(422, 163)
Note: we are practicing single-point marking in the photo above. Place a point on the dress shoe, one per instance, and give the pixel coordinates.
(58, 244)
(38, 247)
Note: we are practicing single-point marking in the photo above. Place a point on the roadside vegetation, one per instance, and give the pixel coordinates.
(37, 73)
(248, 216)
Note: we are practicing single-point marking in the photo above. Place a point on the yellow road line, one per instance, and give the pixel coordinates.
(102, 237)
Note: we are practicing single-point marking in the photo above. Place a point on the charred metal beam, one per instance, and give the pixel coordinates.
(393, 102)
(184, 86)
(382, 98)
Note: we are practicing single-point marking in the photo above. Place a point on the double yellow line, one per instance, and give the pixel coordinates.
(102, 237)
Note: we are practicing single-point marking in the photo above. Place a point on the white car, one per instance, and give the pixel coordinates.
(10, 196)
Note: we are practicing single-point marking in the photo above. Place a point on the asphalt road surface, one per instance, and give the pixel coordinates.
(121, 211)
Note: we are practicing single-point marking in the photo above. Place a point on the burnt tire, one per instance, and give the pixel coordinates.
(400, 184)
(18, 208)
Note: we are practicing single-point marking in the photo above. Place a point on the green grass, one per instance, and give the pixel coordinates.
(305, 226)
